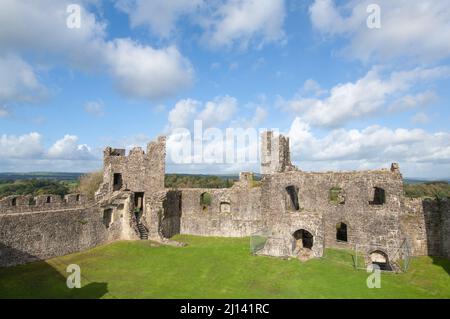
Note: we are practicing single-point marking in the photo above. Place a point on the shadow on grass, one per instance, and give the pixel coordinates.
(443, 262)
(39, 279)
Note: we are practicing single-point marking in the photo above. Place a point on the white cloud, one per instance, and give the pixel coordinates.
(365, 97)
(142, 71)
(21, 147)
(40, 26)
(409, 29)
(18, 82)
(218, 111)
(374, 144)
(95, 107)
(226, 23)
(412, 101)
(160, 16)
(139, 71)
(243, 22)
(183, 113)
(211, 113)
(68, 148)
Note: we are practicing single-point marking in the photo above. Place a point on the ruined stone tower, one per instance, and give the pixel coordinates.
(275, 153)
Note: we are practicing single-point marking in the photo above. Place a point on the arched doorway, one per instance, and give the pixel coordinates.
(380, 258)
(303, 239)
(341, 232)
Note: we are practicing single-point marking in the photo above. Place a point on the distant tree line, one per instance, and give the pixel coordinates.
(435, 190)
(89, 183)
(34, 187)
(197, 181)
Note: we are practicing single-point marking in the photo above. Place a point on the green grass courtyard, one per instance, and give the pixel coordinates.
(216, 268)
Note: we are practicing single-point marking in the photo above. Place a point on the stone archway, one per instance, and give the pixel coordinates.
(303, 242)
(303, 239)
(381, 259)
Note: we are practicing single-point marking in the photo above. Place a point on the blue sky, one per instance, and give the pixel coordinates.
(349, 96)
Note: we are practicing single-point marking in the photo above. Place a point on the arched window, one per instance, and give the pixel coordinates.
(292, 203)
(205, 200)
(379, 196)
(78, 197)
(303, 239)
(48, 200)
(14, 202)
(341, 232)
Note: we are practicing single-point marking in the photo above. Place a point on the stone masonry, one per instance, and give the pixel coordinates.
(300, 213)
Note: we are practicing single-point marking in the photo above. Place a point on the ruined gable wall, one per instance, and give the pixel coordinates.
(31, 236)
(275, 153)
(242, 219)
(366, 223)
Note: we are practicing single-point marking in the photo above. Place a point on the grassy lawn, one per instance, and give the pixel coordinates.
(216, 268)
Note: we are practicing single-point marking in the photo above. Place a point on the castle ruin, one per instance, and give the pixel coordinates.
(300, 212)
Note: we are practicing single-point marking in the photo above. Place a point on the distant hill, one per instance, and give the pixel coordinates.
(40, 175)
(75, 176)
(423, 180)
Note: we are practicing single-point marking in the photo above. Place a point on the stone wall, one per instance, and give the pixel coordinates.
(27, 237)
(426, 223)
(170, 222)
(28, 203)
(233, 212)
(367, 224)
(60, 230)
(445, 217)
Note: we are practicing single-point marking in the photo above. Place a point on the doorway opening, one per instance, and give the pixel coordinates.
(303, 239)
(138, 205)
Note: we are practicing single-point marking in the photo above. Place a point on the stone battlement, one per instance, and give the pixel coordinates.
(28, 203)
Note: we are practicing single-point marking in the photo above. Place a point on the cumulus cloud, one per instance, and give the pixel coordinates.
(211, 113)
(160, 16)
(21, 147)
(30, 147)
(145, 72)
(139, 71)
(18, 82)
(223, 23)
(68, 148)
(242, 22)
(366, 96)
(374, 144)
(183, 113)
(40, 26)
(418, 30)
